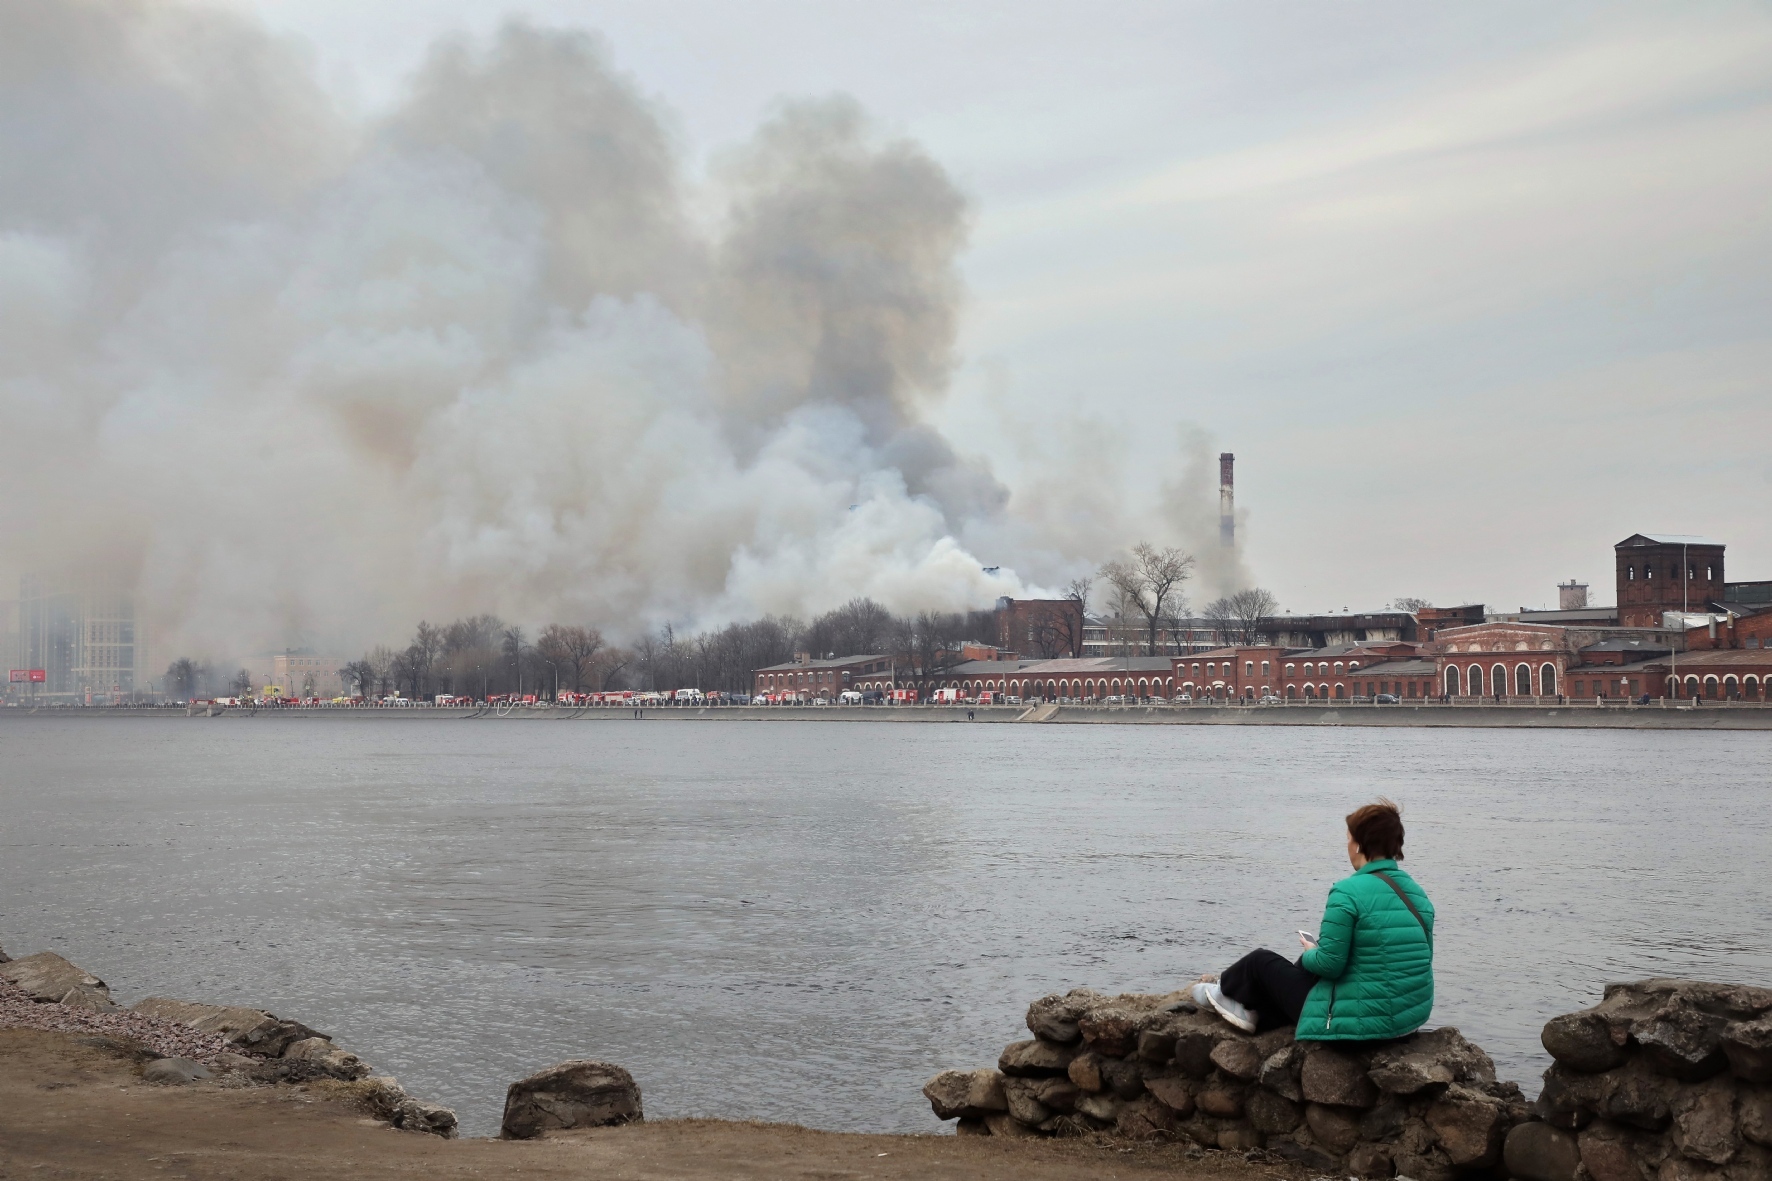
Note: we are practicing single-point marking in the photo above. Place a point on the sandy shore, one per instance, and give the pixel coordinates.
(73, 1108)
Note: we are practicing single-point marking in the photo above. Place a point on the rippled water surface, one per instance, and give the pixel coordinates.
(804, 920)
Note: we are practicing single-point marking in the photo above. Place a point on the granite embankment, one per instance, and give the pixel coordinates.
(1664, 1080)
(1589, 716)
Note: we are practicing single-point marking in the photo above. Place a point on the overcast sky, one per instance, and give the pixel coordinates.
(1472, 291)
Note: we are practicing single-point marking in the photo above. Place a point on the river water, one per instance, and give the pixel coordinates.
(803, 921)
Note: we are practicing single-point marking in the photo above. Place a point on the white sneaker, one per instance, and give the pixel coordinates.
(1209, 993)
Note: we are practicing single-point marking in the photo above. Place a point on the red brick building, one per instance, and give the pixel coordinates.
(1043, 628)
(810, 678)
(1659, 572)
(1088, 678)
(1505, 660)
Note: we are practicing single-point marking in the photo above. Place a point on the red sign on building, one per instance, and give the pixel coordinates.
(34, 675)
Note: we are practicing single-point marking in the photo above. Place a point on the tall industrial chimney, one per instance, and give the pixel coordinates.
(1227, 500)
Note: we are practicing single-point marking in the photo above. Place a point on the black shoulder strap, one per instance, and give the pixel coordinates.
(1392, 883)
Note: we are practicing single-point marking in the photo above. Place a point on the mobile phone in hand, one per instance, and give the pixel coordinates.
(1308, 938)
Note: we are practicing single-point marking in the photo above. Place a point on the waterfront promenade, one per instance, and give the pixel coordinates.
(1611, 716)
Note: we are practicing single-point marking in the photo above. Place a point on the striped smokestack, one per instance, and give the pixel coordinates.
(1227, 500)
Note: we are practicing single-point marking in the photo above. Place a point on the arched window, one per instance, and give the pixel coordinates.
(1708, 576)
(1310, 692)
(1731, 689)
(1353, 666)
(1710, 688)
(1648, 572)
(1249, 668)
(1547, 680)
(1310, 670)
(1338, 668)
(1341, 692)
(1692, 686)
(1750, 688)
(1523, 680)
(1264, 668)
(1452, 680)
(1291, 692)
(1498, 679)
(1476, 688)
(1291, 668)
(1630, 573)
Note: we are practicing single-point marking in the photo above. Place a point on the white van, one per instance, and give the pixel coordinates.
(849, 697)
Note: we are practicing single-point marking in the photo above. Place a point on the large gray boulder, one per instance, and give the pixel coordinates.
(252, 1029)
(968, 1094)
(1539, 1152)
(48, 978)
(336, 1062)
(582, 1093)
(1681, 1024)
(176, 1072)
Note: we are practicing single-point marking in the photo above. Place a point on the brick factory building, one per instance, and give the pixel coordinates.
(1047, 628)
(1663, 572)
(810, 678)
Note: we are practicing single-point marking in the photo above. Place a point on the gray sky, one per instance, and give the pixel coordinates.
(1472, 291)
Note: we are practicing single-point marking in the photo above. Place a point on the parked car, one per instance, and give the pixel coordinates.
(1270, 699)
(1011, 700)
(1185, 699)
(849, 697)
(1114, 700)
(1387, 699)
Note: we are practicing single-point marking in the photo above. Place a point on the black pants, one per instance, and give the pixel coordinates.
(1270, 984)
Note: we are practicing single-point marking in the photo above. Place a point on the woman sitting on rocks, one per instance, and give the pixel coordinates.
(1370, 975)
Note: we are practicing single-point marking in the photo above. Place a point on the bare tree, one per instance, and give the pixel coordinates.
(1071, 621)
(384, 664)
(181, 677)
(1242, 618)
(360, 673)
(1411, 605)
(514, 649)
(857, 628)
(572, 650)
(1149, 585)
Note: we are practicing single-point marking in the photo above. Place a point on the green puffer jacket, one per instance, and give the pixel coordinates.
(1376, 963)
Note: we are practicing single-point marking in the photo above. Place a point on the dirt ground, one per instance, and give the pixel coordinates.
(74, 1110)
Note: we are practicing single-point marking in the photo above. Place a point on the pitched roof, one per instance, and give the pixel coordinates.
(833, 662)
(1666, 539)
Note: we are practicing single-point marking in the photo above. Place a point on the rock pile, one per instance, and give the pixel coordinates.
(1663, 1080)
(48, 977)
(1427, 1106)
(187, 1041)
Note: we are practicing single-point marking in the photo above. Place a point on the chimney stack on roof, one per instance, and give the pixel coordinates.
(1227, 500)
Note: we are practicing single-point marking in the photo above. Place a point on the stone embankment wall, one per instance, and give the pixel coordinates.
(1665, 1081)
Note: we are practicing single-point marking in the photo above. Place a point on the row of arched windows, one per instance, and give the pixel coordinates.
(1725, 688)
(1474, 682)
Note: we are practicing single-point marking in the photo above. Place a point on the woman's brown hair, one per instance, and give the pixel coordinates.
(1378, 830)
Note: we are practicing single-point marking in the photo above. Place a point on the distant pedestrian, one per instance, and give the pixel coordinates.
(968, 715)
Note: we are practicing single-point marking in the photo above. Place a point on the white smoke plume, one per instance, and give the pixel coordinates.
(293, 372)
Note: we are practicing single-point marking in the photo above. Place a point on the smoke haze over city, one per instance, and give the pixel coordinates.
(315, 321)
